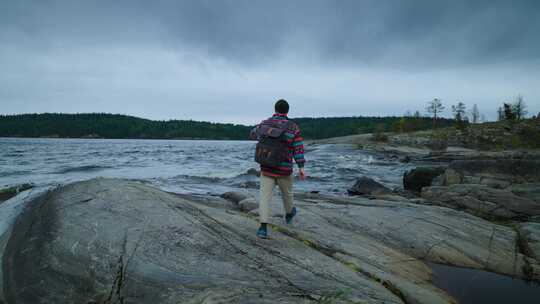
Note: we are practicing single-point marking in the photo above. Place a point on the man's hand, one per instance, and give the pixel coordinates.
(302, 174)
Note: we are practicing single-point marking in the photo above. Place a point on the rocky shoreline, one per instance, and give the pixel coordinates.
(124, 241)
(121, 241)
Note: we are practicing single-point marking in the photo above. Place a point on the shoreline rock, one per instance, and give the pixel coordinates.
(124, 241)
(368, 186)
(484, 201)
(419, 177)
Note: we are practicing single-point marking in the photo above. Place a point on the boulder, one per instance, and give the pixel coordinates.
(234, 196)
(420, 177)
(405, 159)
(248, 204)
(483, 201)
(253, 172)
(451, 177)
(367, 186)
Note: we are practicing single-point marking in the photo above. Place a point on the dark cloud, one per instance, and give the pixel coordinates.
(110, 51)
(367, 32)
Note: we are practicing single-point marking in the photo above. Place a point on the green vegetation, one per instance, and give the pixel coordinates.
(326, 127)
(489, 136)
(113, 126)
(99, 125)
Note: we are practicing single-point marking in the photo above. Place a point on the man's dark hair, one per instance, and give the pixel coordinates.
(282, 106)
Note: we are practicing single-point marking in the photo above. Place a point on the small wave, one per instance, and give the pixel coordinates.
(351, 171)
(199, 179)
(87, 168)
(13, 155)
(13, 173)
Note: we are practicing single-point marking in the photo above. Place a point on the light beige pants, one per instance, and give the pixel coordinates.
(285, 184)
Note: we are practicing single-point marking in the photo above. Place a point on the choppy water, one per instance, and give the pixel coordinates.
(182, 166)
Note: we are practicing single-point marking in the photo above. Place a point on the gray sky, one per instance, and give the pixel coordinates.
(229, 61)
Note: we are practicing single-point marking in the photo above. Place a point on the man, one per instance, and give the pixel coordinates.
(279, 143)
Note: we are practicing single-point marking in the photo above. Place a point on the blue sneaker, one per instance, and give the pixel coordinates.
(290, 216)
(262, 233)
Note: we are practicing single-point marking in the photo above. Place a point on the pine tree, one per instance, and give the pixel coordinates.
(509, 112)
(435, 107)
(500, 114)
(459, 112)
(519, 108)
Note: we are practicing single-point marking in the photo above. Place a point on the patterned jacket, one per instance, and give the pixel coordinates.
(296, 148)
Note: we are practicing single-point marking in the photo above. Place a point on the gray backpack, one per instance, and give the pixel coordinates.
(272, 148)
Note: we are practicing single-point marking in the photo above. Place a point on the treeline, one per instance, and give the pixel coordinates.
(100, 125)
(318, 128)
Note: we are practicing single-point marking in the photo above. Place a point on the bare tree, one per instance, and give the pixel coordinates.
(435, 107)
(519, 108)
(475, 114)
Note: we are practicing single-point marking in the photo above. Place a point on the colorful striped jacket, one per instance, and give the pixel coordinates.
(296, 148)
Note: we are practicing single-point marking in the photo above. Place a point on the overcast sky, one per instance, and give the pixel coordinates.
(228, 61)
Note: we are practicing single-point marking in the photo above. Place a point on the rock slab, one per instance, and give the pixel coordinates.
(483, 201)
(118, 241)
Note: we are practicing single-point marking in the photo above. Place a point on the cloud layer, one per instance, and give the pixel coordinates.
(229, 60)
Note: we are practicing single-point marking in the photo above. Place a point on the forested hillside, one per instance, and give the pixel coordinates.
(98, 125)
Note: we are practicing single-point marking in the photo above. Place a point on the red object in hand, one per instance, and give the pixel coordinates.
(302, 174)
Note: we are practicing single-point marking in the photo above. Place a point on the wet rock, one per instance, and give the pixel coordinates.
(367, 186)
(530, 235)
(10, 192)
(253, 172)
(248, 204)
(234, 196)
(405, 159)
(483, 201)
(420, 177)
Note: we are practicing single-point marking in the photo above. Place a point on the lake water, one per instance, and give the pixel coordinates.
(183, 166)
(472, 286)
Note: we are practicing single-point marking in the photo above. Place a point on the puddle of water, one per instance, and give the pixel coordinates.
(478, 286)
